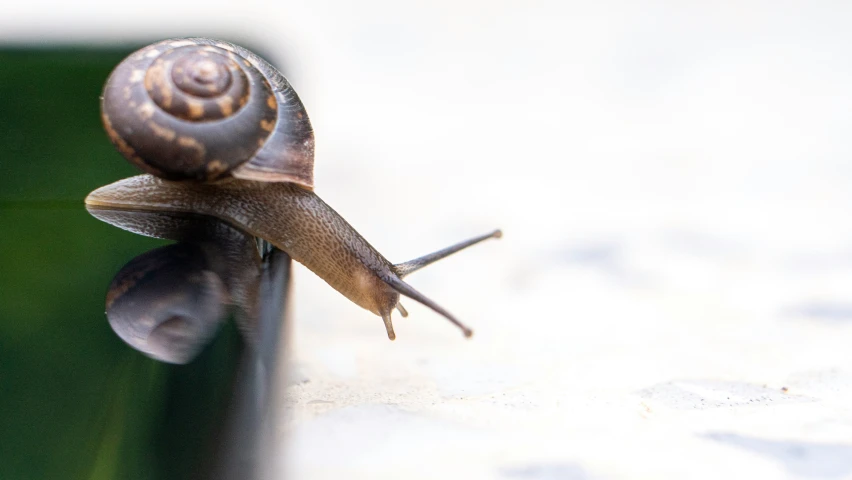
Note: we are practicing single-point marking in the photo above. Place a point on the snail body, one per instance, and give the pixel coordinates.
(264, 188)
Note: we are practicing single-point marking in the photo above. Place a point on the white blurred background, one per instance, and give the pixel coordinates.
(673, 294)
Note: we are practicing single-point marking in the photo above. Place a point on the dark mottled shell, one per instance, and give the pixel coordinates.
(202, 109)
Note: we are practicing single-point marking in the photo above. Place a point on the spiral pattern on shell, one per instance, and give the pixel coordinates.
(203, 109)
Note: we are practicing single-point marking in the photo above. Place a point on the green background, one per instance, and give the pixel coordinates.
(76, 401)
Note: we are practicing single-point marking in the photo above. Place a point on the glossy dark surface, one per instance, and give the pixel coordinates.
(77, 402)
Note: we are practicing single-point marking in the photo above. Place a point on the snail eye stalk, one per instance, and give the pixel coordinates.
(407, 268)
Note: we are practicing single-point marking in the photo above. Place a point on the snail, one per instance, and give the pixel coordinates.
(222, 133)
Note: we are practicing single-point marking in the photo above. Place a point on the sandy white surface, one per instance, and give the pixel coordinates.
(673, 294)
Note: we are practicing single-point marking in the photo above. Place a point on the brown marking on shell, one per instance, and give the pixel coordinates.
(148, 83)
(189, 142)
(146, 110)
(137, 76)
(226, 105)
(119, 142)
(216, 168)
(157, 81)
(165, 133)
(123, 147)
(271, 102)
(267, 125)
(166, 92)
(195, 109)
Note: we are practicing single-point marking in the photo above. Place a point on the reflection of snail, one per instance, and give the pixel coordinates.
(169, 302)
(215, 113)
(166, 303)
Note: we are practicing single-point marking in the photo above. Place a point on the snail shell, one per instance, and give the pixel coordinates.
(167, 303)
(203, 109)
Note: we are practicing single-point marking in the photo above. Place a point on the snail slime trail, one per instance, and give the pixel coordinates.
(221, 132)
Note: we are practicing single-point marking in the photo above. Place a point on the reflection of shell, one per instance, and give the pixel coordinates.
(166, 303)
(201, 109)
